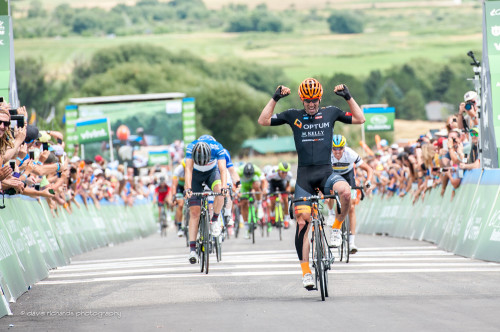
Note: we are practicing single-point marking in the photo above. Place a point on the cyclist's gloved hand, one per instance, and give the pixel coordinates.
(279, 93)
(224, 191)
(188, 192)
(343, 91)
(368, 184)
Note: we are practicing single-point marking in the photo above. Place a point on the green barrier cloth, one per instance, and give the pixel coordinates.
(34, 240)
(468, 225)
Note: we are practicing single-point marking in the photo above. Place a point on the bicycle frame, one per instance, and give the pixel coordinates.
(321, 253)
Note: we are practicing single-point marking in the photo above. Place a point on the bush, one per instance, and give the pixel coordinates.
(345, 23)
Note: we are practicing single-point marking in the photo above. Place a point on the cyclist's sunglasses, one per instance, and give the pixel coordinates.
(338, 149)
(315, 100)
(5, 123)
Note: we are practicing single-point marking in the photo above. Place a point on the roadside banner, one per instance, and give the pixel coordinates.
(468, 224)
(158, 158)
(188, 120)
(379, 118)
(490, 85)
(70, 119)
(96, 130)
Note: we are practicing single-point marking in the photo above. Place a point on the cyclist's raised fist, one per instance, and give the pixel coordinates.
(342, 91)
(281, 91)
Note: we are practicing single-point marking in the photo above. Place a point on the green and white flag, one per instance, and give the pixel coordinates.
(379, 118)
(92, 130)
(188, 120)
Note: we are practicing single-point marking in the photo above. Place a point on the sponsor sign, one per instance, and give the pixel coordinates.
(158, 158)
(188, 119)
(379, 118)
(92, 130)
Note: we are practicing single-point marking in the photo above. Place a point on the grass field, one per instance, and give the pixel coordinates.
(275, 5)
(395, 32)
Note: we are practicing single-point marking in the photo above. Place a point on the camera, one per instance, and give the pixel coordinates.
(468, 105)
(32, 154)
(12, 164)
(37, 186)
(45, 146)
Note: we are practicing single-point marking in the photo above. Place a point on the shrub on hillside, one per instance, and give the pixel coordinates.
(344, 22)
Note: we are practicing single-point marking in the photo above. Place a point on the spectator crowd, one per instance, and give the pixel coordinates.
(35, 164)
(436, 160)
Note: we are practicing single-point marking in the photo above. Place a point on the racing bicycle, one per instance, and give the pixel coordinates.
(321, 254)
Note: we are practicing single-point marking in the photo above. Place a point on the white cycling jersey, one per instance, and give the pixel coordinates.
(273, 175)
(346, 163)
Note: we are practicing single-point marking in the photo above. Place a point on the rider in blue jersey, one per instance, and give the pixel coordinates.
(205, 165)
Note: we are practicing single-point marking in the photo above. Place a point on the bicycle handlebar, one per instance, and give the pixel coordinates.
(361, 189)
(207, 193)
(315, 198)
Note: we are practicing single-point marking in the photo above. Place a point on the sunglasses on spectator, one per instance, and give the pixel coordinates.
(315, 100)
(5, 123)
(337, 149)
(474, 134)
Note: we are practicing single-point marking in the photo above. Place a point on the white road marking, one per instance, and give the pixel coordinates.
(382, 260)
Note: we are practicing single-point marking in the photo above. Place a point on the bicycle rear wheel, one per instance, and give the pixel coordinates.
(186, 225)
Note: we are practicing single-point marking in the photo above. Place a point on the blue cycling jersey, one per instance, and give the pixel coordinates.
(229, 162)
(217, 153)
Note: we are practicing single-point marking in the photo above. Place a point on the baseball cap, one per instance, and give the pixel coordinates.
(75, 159)
(474, 130)
(394, 146)
(98, 158)
(32, 134)
(470, 95)
(44, 137)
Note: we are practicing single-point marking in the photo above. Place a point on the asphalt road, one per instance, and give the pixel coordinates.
(148, 285)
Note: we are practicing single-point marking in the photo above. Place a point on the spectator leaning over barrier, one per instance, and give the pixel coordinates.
(473, 157)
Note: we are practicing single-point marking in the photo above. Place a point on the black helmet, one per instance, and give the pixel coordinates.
(201, 153)
(248, 171)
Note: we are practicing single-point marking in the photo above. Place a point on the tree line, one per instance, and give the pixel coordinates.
(230, 93)
(154, 17)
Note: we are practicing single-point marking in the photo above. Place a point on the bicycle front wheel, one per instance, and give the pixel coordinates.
(206, 242)
(319, 264)
(279, 218)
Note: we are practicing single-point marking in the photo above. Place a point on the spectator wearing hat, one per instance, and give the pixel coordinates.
(473, 157)
(467, 115)
(100, 161)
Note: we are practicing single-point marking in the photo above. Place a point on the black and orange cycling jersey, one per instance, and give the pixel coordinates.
(312, 133)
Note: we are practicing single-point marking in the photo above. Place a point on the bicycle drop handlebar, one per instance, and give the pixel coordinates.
(361, 189)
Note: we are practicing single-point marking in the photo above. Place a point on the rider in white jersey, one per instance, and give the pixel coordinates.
(344, 159)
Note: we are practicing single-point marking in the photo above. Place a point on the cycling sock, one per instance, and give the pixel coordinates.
(215, 217)
(305, 268)
(337, 224)
(351, 238)
(192, 245)
(246, 225)
(299, 239)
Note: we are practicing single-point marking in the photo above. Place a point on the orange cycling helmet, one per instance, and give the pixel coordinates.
(310, 88)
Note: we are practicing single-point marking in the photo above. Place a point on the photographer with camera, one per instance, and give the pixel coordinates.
(467, 115)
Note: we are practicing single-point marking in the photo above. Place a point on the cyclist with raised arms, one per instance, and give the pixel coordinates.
(313, 130)
(344, 160)
(205, 165)
(251, 180)
(279, 180)
(178, 189)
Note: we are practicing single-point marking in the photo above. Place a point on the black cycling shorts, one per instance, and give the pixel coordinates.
(201, 179)
(310, 178)
(277, 185)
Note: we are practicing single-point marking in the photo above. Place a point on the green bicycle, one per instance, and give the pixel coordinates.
(278, 211)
